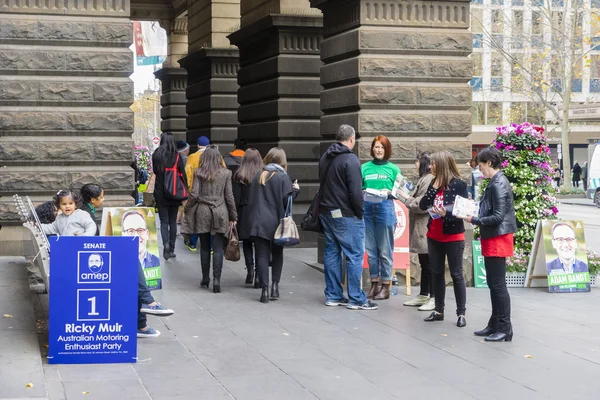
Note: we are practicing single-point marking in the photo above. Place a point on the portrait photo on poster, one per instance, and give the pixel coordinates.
(566, 258)
(140, 222)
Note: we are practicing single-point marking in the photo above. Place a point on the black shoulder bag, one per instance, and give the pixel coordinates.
(311, 221)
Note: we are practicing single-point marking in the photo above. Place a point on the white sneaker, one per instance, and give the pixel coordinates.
(429, 306)
(417, 301)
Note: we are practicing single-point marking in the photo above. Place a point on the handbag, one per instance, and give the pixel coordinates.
(175, 186)
(287, 232)
(232, 251)
(311, 221)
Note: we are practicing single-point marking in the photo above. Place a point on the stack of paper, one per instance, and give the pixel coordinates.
(464, 208)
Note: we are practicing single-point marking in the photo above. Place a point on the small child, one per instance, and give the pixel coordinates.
(70, 221)
(93, 198)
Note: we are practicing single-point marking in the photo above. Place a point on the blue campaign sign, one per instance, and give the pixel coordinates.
(93, 299)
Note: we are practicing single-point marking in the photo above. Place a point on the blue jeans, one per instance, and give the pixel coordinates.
(380, 223)
(343, 235)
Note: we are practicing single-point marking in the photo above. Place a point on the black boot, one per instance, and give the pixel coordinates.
(166, 253)
(217, 269)
(264, 297)
(250, 275)
(205, 263)
(256, 280)
(500, 337)
(275, 290)
(487, 331)
(172, 250)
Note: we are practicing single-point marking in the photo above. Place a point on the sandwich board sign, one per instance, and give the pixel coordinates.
(558, 258)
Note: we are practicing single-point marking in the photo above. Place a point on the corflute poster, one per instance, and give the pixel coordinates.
(93, 300)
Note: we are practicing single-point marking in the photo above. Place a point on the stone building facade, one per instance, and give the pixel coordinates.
(275, 72)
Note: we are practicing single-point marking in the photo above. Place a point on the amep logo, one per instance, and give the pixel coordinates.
(93, 267)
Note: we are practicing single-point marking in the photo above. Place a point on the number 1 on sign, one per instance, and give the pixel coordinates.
(92, 300)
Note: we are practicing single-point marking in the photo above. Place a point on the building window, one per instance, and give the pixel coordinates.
(478, 113)
(494, 113)
(477, 60)
(595, 73)
(497, 72)
(517, 81)
(497, 22)
(536, 23)
(517, 30)
(477, 20)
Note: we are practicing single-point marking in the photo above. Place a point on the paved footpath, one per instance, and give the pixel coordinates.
(230, 346)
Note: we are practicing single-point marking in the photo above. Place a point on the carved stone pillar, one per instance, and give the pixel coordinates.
(212, 65)
(279, 93)
(398, 68)
(65, 94)
(174, 81)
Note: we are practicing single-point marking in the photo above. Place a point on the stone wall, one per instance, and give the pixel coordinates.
(65, 94)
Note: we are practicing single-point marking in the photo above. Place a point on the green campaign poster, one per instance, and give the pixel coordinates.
(479, 276)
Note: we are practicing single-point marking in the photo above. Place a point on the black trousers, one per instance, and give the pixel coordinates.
(265, 251)
(438, 251)
(495, 270)
(144, 297)
(218, 243)
(427, 288)
(168, 225)
(248, 248)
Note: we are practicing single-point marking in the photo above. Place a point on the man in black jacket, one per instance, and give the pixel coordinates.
(341, 211)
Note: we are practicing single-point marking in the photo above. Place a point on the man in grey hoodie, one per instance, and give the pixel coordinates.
(341, 210)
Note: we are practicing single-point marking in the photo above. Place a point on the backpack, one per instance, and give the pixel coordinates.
(175, 186)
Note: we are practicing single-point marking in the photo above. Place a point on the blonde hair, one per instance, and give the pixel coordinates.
(445, 168)
(275, 156)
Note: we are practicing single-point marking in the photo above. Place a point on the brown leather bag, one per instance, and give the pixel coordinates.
(232, 251)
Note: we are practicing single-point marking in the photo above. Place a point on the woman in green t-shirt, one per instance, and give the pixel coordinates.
(380, 217)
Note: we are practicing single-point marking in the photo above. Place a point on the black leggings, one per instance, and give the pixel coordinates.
(437, 254)
(168, 225)
(495, 271)
(427, 288)
(266, 250)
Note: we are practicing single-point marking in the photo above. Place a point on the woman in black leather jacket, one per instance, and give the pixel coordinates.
(497, 223)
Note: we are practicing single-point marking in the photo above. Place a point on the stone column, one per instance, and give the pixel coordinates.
(174, 81)
(212, 65)
(65, 94)
(398, 68)
(279, 93)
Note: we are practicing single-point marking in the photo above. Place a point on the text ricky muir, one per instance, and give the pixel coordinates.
(89, 329)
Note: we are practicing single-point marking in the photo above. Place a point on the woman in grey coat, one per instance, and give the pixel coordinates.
(209, 211)
(418, 234)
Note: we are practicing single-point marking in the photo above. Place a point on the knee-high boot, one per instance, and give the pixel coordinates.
(205, 263)
(217, 269)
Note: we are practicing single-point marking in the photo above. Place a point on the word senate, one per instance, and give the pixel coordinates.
(94, 246)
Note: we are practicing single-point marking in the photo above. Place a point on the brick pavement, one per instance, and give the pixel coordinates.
(230, 346)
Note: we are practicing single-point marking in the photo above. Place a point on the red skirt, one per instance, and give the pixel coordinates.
(498, 246)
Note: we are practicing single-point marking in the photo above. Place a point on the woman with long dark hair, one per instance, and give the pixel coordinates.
(498, 223)
(209, 211)
(445, 234)
(251, 165)
(418, 233)
(166, 157)
(269, 194)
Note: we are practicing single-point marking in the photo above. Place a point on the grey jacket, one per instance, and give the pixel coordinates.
(79, 223)
(210, 206)
(418, 218)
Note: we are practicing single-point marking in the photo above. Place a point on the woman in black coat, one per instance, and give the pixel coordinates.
(250, 166)
(497, 223)
(445, 234)
(576, 174)
(165, 157)
(269, 193)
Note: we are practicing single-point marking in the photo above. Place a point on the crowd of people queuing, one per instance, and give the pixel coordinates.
(246, 191)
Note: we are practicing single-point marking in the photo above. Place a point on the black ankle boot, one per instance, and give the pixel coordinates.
(264, 296)
(487, 331)
(166, 253)
(256, 280)
(172, 250)
(275, 290)
(500, 337)
(217, 285)
(250, 275)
